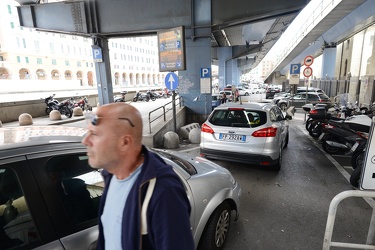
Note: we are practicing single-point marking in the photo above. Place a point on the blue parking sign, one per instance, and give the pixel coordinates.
(295, 69)
(205, 72)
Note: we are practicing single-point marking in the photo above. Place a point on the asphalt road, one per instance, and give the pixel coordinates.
(289, 209)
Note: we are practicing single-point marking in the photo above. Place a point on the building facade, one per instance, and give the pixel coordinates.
(28, 54)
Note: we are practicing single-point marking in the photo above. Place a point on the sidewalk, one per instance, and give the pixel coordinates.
(45, 120)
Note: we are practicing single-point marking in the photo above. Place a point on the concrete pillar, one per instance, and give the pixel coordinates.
(328, 63)
(224, 55)
(198, 56)
(104, 80)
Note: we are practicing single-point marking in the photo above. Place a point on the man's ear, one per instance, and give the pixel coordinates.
(125, 142)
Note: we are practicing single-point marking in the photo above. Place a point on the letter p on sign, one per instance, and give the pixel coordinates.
(295, 69)
(205, 72)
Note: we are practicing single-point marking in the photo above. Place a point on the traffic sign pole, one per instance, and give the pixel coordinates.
(171, 83)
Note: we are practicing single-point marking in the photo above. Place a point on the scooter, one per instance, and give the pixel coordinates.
(344, 135)
(121, 98)
(141, 97)
(151, 95)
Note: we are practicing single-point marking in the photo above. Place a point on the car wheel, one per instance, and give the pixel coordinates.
(283, 106)
(329, 149)
(246, 94)
(217, 228)
(355, 177)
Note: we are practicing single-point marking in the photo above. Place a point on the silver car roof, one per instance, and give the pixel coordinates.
(247, 105)
(29, 136)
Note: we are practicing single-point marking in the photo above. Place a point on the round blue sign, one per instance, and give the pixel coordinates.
(171, 81)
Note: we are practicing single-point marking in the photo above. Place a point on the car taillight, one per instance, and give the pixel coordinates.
(207, 129)
(265, 132)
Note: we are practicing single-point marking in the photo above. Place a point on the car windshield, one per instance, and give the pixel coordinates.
(324, 97)
(238, 118)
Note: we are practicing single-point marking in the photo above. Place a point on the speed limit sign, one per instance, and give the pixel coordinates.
(307, 72)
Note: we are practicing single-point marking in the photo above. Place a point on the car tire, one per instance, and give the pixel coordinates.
(217, 228)
(246, 94)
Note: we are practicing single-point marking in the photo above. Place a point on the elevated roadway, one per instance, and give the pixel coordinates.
(320, 26)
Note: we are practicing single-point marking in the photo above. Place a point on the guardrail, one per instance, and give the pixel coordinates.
(331, 221)
(178, 101)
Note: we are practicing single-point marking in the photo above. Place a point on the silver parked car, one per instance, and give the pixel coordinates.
(49, 195)
(252, 133)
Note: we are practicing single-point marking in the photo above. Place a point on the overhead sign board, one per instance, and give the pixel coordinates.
(307, 72)
(171, 81)
(171, 45)
(368, 171)
(308, 61)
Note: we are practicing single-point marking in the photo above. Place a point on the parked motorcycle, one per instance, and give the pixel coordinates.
(83, 103)
(121, 98)
(344, 135)
(151, 95)
(63, 107)
(139, 96)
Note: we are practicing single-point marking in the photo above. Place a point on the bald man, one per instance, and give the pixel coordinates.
(144, 204)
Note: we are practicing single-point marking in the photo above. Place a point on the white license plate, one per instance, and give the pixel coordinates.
(232, 137)
(321, 136)
(355, 146)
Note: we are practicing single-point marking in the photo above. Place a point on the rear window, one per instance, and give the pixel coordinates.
(238, 118)
(324, 97)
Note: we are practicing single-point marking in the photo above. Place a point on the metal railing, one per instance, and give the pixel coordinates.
(331, 221)
(178, 102)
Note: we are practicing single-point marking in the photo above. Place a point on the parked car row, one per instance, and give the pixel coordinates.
(285, 100)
